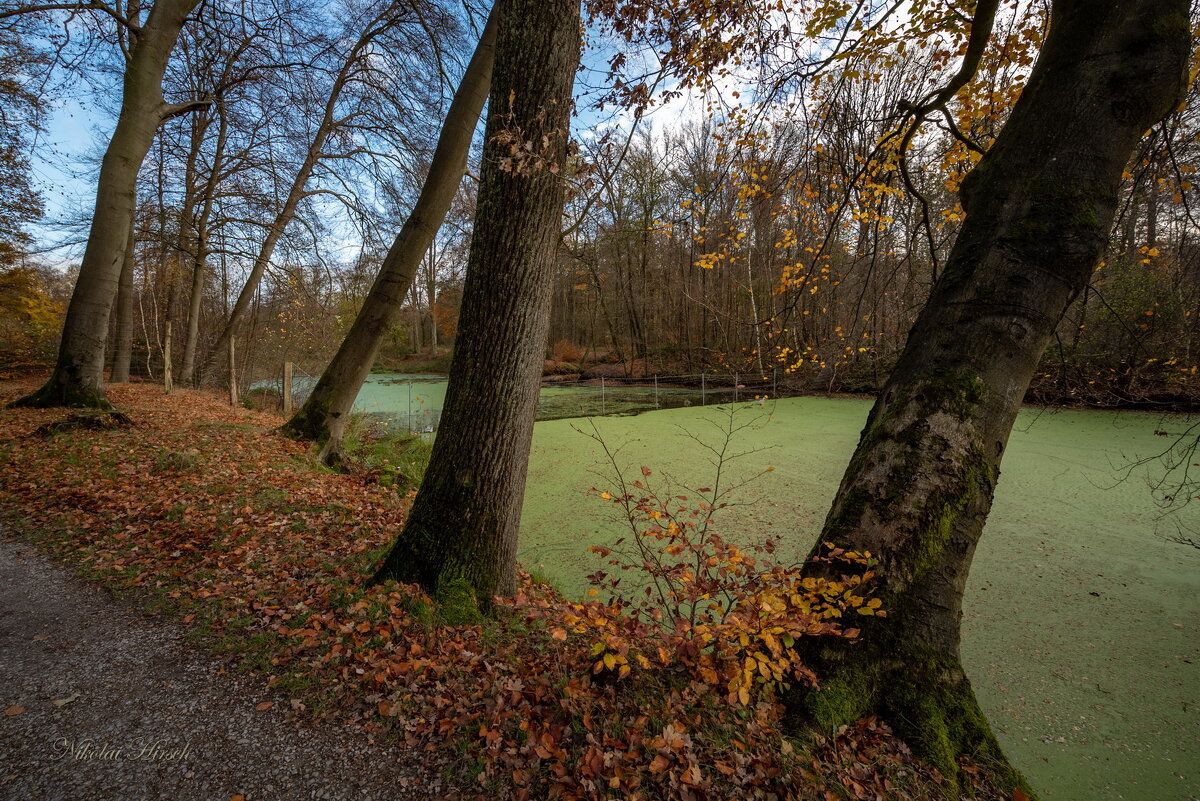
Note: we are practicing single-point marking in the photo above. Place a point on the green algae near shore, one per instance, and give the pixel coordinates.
(1080, 620)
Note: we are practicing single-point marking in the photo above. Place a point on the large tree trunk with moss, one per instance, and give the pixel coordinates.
(322, 418)
(916, 494)
(461, 536)
(78, 378)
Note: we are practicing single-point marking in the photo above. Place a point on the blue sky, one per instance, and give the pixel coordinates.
(66, 155)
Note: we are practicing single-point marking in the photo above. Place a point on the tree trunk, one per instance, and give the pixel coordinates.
(461, 536)
(195, 298)
(322, 418)
(78, 378)
(233, 384)
(200, 257)
(431, 295)
(123, 350)
(1039, 209)
(168, 381)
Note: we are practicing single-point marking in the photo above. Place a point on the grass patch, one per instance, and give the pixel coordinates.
(397, 460)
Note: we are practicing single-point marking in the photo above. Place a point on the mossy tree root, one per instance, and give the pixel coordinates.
(455, 598)
(927, 700)
(310, 424)
(58, 393)
(307, 425)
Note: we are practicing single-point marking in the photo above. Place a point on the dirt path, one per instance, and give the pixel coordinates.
(144, 717)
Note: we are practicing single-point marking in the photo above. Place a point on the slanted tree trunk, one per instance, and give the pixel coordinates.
(461, 536)
(1039, 209)
(78, 378)
(330, 124)
(322, 418)
(123, 349)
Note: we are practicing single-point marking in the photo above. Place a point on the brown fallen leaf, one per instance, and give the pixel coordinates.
(13, 710)
(265, 705)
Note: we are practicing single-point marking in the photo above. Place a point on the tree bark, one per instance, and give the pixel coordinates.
(123, 350)
(919, 487)
(168, 381)
(78, 377)
(322, 418)
(431, 263)
(460, 538)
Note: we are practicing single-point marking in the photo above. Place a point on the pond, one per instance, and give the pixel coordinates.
(1080, 630)
(414, 402)
(1080, 620)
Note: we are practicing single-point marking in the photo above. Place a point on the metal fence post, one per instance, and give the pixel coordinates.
(657, 405)
(703, 391)
(735, 387)
(603, 401)
(410, 425)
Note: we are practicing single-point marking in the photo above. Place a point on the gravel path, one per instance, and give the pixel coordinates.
(116, 706)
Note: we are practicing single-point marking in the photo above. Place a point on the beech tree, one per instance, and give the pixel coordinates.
(1039, 207)
(322, 417)
(78, 377)
(460, 537)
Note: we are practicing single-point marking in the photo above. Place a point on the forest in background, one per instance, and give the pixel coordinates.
(712, 234)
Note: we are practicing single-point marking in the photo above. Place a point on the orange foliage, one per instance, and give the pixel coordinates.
(565, 350)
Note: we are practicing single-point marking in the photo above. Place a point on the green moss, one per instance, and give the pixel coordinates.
(59, 393)
(942, 391)
(944, 510)
(842, 697)
(457, 603)
(1051, 206)
(1173, 26)
(949, 391)
(932, 707)
(922, 693)
(308, 423)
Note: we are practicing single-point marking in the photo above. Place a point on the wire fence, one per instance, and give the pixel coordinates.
(413, 404)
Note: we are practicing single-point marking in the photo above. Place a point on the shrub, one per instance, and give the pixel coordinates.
(565, 350)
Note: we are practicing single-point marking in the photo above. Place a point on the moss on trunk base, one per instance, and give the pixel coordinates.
(307, 424)
(924, 696)
(56, 392)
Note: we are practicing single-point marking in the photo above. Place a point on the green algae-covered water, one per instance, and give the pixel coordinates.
(412, 400)
(1081, 620)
